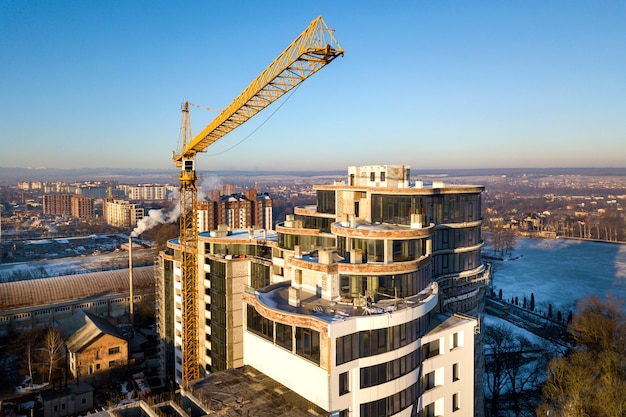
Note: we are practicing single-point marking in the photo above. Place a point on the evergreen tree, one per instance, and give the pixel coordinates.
(532, 301)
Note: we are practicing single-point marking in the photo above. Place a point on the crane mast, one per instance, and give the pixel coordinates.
(189, 257)
(313, 49)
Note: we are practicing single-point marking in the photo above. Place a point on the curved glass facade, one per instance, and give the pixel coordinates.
(374, 342)
(306, 242)
(441, 208)
(388, 371)
(397, 285)
(373, 250)
(307, 341)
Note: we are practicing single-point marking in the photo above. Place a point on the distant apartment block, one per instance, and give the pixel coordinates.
(57, 204)
(263, 216)
(122, 213)
(144, 192)
(228, 189)
(82, 207)
(29, 185)
(68, 205)
(237, 211)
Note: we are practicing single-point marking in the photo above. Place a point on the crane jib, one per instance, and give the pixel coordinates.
(311, 51)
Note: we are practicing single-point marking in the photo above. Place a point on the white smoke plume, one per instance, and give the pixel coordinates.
(155, 218)
(207, 185)
(161, 216)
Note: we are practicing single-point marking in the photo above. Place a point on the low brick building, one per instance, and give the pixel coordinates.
(96, 347)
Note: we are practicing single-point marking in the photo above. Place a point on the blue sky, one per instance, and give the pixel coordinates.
(432, 84)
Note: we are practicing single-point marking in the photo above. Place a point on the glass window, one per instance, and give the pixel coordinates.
(429, 410)
(429, 380)
(456, 404)
(372, 342)
(455, 340)
(260, 275)
(431, 349)
(390, 405)
(326, 201)
(258, 324)
(344, 383)
(308, 344)
(284, 336)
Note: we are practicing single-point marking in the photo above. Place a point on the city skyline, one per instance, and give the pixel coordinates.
(481, 85)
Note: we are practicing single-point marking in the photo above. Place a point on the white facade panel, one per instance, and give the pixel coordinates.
(287, 368)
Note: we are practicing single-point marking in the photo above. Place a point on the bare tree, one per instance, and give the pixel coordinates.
(29, 362)
(498, 341)
(54, 348)
(509, 240)
(524, 369)
(497, 237)
(27, 346)
(514, 368)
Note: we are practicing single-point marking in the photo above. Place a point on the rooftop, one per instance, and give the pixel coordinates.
(247, 391)
(242, 234)
(439, 321)
(277, 297)
(416, 188)
(93, 328)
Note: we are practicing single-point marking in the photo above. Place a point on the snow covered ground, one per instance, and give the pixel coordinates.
(561, 271)
(493, 321)
(76, 265)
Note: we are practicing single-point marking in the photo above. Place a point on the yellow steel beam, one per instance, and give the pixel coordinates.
(188, 263)
(307, 54)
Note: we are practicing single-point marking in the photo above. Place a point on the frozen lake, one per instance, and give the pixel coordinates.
(560, 271)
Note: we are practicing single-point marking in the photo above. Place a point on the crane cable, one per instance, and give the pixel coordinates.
(259, 126)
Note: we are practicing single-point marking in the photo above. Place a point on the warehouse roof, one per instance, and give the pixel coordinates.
(46, 291)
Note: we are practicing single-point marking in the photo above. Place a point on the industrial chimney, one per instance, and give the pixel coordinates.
(130, 276)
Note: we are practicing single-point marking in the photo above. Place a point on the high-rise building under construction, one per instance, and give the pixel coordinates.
(352, 303)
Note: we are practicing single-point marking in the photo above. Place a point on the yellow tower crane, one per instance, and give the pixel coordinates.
(308, 53)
